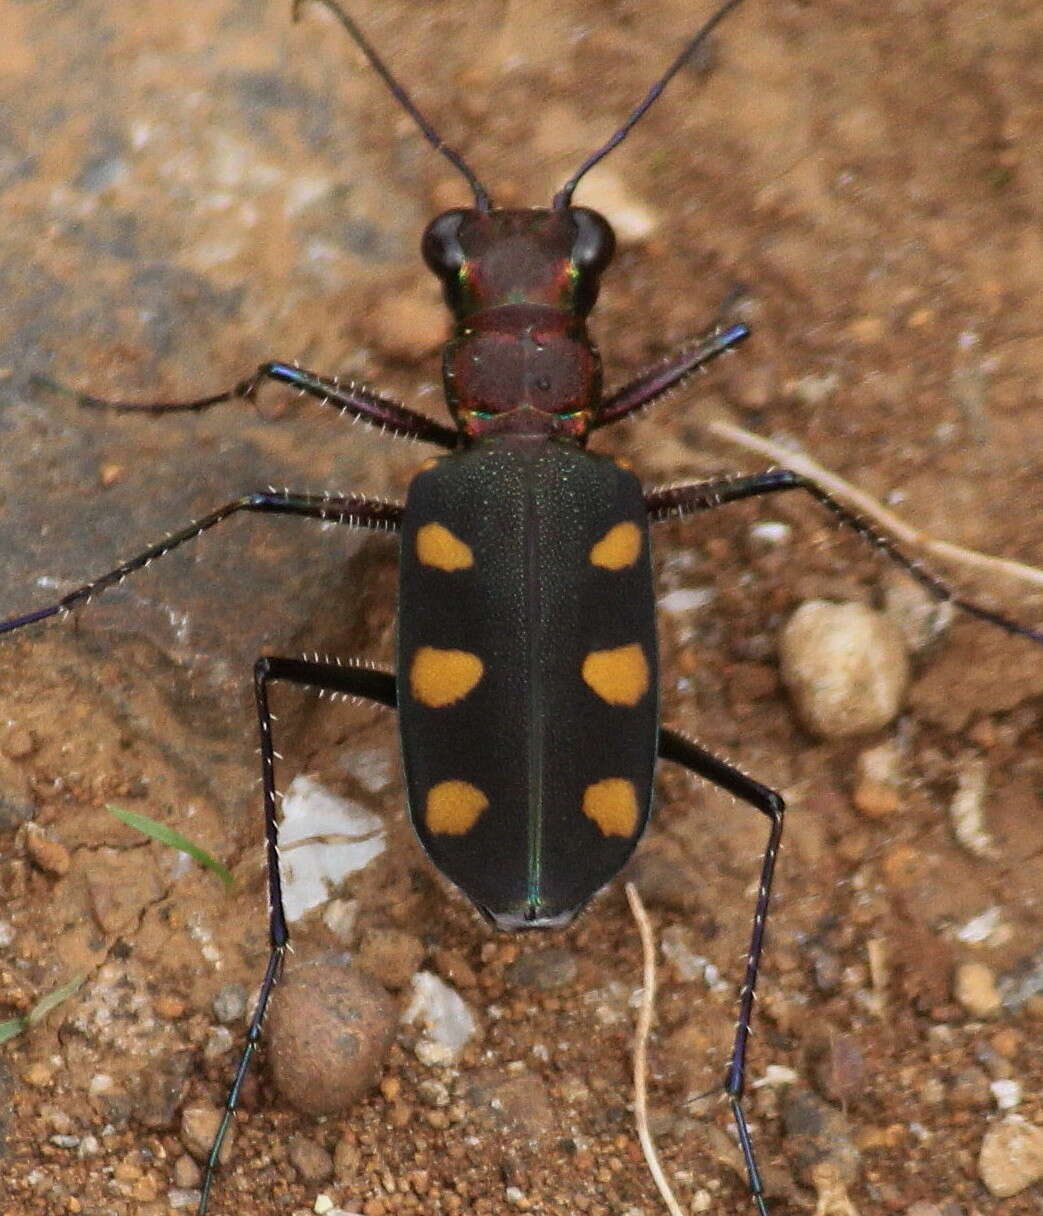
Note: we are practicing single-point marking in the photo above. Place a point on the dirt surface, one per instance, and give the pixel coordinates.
(189, 189)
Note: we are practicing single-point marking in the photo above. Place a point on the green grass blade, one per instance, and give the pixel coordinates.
(10, 1028)
(167, 836)
(44, 1006)
(15, 1026)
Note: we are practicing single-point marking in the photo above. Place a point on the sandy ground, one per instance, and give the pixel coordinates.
(190, 189)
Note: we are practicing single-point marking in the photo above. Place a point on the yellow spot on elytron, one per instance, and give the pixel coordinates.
(612, 804)
(440, 677)
(437, 546)
(430, 463)
(618, 676)
(453, 807)
(622, 463)
(618, 548)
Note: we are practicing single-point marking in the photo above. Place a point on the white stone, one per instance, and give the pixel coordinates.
(322, 839)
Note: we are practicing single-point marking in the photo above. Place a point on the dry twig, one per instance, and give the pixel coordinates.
(644, 1025)
(872, 509)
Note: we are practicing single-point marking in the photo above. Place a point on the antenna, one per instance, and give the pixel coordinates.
(481, 197)
(564, 196)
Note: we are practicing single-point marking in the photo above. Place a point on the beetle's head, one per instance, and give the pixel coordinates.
(520, 284)
(552, 257)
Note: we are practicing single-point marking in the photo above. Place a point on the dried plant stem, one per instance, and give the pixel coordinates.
(644, 1025)
(872, 509)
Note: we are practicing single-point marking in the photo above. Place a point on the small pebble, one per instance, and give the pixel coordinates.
(879, 776)
(160, 1090)
(390, 956)
(967, 808)
(46, 854)
(229, 1003)
(340, 917)
(920, 617)
(545, 970)
(518, 1106)
(18, 743)
(90, 1146)
(970, 1088)
(447, 1021)
(168, 1007)
(845, 668)
(454, 968)
(38, 1075)
(186, 1174)
(1007, 1093)
(110, 474)
(769, 534)
(199, 1126)
(813, 389)
(1011, 1157)
(219, 1042)
(818, 1135)
(840, 1072)
(330, 1029)
(867, 330)
(975, 989)
(183, 1200)
(347, 1159)
(310, 1160)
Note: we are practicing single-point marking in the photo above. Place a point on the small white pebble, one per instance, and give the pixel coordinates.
(987, 926)
(88, 1147)
(770, 534)
(687, 599)
(1007, 1093)
(777, 1074)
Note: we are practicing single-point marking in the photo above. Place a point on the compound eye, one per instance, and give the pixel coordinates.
(441, 246)
(595, 241)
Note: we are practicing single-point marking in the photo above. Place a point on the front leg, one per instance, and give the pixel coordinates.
(658, 380)
(349, 398)
(343, 509)
(678, 501)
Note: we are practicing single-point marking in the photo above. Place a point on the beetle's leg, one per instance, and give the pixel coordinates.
(348, 397)
(355, 510)
(362, 682)
(657, 380)
(700, 496)
(673, 746)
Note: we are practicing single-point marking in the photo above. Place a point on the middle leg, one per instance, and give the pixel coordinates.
(354, 510)
(677, 501)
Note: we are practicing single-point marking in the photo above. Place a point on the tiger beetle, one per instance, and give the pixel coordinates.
(527, 677)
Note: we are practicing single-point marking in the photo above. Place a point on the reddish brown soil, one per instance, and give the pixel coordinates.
(188, 189)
